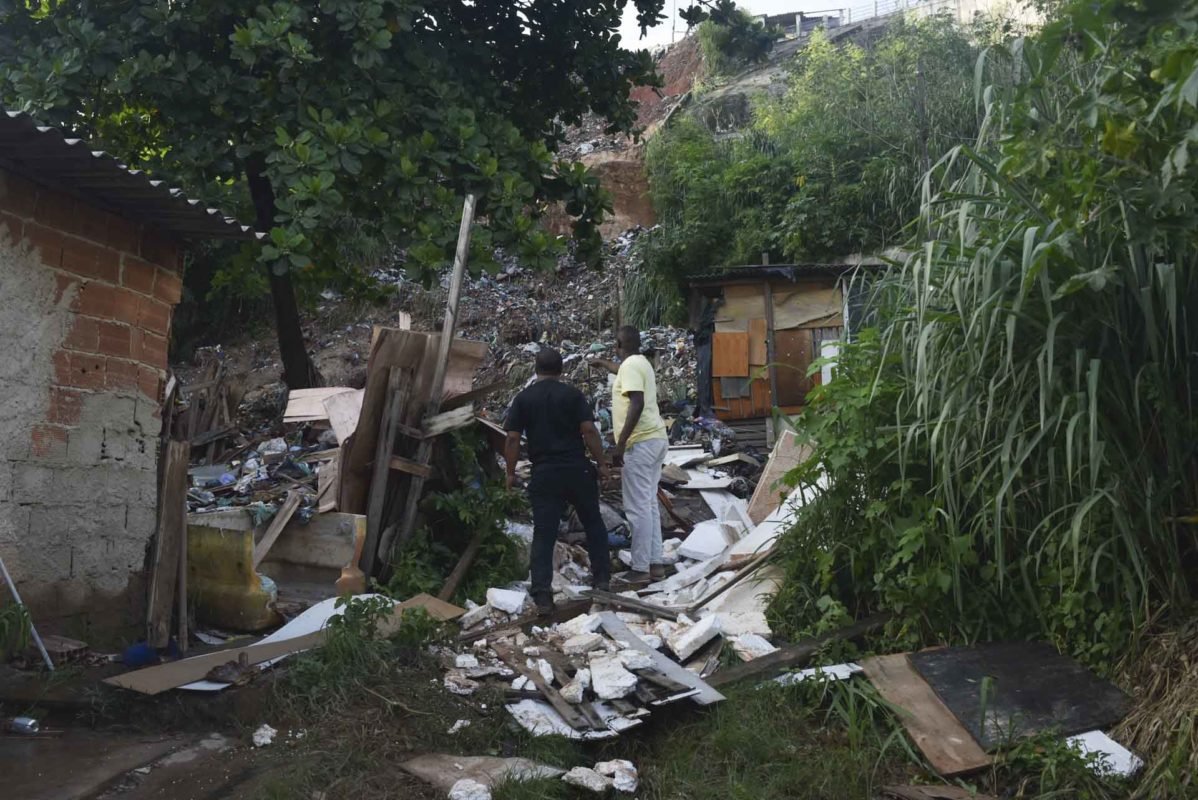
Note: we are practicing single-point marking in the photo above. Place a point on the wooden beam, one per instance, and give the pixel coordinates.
(276, 526)
(448, 421)
(794, 656)
(571, 714)
(424, 450)
(401, 464)
(620, 601)
(462, 567)
(168, 541)
(398, 394)
(772, 354)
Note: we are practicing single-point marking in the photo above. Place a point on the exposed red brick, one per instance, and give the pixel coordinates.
(153, 350)
(124, 235)
(126, 306)
(90, 260)
(84, 335)
(62, 367)
(169, 287)
(154, 316)
(87, 371)
(115, 339)
(160, 249)
(121, 374)
(11, 226)
(97, 300)
(49, 440)
(18, 196)
(91, 223)
(135, 344)
(47, 242)
(138, 274)
(149, 380)
(64, 285)
(66, 405)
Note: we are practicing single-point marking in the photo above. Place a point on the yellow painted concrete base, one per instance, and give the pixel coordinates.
(222, 585)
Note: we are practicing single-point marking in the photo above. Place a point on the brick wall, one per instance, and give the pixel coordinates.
(88, 296)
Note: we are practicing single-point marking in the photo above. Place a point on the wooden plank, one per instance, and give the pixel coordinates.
(424, 451)
(933, 793)
(758, 346)
(620, 601)
(398, 396)
(771, 346)
(794, 656)
(276, 526)
(517, 661)
(666, 666)
(181, 592)
(729, 355)
(401, 464)
(472, 396)
(209, 437)
(327, 482)
(447, 421)
(462, 567)
(949, 748)
(168, 541)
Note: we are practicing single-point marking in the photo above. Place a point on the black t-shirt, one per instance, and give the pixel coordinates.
(550, 412)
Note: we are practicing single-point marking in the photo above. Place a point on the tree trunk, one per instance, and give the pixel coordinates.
(298, 370)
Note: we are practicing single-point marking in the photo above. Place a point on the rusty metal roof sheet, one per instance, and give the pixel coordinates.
(45, 155)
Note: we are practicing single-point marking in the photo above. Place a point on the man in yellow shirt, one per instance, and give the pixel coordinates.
(641, 444)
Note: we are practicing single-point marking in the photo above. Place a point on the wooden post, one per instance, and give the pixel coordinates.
(772, 355)
(425, 449)
(398, 384)
(169, 541)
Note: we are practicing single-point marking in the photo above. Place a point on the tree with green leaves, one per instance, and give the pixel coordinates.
(324, 117)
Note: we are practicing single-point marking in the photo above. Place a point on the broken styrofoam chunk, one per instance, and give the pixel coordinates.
(750, 646)
(466, 661)
(738, 623)
(1114, 758)
(587, 778)
(457, 726)
(634, 659)
(632, 617)
(469, 789)
(572, 692)
(475, 616)
(521, 683)
(708, 539)
(583, 623)
(457, 683)
(609, 679)
(622, 772)
(541, 666)
(687, 641)
(653, 640)
(264, 736)
(508, 601)
(583, 676)
(582, 643)
(532, 651)
(835, 672)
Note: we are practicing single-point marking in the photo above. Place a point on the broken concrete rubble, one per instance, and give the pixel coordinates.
(610, 679)
(622, 772)
(587, 778)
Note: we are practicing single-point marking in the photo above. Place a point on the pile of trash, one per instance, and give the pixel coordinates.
(606, 661)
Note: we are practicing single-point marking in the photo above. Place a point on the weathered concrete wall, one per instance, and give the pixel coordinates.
(85, 308)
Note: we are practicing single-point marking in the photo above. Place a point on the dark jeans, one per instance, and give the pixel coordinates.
(551, 488)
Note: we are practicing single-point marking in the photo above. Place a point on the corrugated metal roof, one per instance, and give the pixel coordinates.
(45, 155)
(788, 272)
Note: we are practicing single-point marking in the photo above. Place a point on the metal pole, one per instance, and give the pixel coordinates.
(12, 587)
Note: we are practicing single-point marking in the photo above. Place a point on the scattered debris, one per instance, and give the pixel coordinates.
(457, 726)
(469, 789)
(622, 772)
(264, 736)
(587, 778)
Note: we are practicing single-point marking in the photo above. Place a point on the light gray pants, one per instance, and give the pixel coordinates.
(642, 472)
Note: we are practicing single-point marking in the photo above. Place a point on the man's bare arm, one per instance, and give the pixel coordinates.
(603, 363)
(636, 406)
(511, 455)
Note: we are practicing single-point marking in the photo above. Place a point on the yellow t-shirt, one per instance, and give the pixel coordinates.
(636, 375)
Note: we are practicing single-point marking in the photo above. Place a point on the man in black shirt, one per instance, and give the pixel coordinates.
(558, 421)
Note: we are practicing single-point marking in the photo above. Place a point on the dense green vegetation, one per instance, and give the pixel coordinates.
(1011, 450)
(345, 130)
(829, 169)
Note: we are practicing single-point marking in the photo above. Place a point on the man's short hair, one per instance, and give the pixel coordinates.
(629, 337)
(549, 361)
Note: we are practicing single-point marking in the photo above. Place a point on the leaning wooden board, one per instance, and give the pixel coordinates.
(949, 748)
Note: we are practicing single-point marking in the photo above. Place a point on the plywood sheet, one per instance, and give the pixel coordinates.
(949, 748)
(758, 352)
(729, 355)
(1031, 688)
(806, 304)
(788, 453)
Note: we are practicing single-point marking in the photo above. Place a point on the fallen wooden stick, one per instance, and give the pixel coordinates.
(629, 604)
(276, 526)
(795, 655)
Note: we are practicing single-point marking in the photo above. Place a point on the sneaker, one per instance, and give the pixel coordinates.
(602, 586)
(657, 571)
(632, 579)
